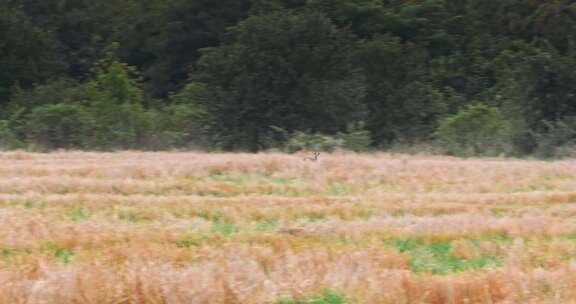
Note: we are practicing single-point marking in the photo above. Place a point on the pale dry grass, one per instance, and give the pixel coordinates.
(135, 227)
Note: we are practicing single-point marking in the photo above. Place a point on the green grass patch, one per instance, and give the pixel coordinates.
(223, 227)
(64, 255)
(212, 194)
(6, 253)
(328, 297)
(190, 242)
(337, 189)
(436, 257)
(316, 218)
(78, 215)
(499, 237)
(34, 205)
(267, 225)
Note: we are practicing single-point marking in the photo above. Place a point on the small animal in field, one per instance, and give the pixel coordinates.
(316, 154)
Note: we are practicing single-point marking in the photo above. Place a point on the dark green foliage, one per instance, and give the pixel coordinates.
(290, 70)
(58, 126)
(8, 139)
(57, 90)
(475, 130)
(356, 138)
(28, 52)
(180, 28)
(557, 139)
(251, 74)
(184, 121)
(402, 103)
(23, 102)
(120, 120)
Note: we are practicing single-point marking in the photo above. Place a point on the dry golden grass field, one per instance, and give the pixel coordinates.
(270, 228)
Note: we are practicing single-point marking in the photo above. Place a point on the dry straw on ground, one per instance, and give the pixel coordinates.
(240, 228)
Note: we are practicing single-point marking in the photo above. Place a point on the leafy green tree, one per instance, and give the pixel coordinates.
(290, 70)
(117, 103)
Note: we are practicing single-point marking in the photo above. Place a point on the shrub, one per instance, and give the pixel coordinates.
(312, 142)
(58, 126)
(184, 122)
(275, 139)
(8, 139)
(477, 130)
(356, 138)
(557, 140)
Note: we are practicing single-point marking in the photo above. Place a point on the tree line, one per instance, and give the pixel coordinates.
(464, 77)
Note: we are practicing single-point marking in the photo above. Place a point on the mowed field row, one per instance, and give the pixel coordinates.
(136, 227)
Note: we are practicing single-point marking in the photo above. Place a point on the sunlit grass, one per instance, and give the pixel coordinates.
(240, 228)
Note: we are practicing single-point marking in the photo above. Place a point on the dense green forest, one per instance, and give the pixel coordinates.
(464, 77)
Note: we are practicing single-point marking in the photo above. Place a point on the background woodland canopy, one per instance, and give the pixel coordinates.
(462, 77)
